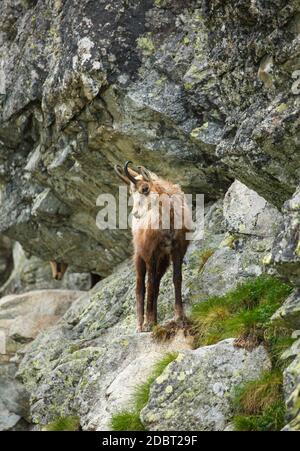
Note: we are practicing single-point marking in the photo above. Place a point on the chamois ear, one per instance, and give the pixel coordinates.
(145, 173)
(119, 171)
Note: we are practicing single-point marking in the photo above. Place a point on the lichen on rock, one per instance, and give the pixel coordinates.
(203, 93)
(201, 385)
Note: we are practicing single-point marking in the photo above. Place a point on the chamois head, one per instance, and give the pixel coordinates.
(140, 182)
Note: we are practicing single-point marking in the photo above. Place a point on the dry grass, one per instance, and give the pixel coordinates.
(257, 396)
(204, 257)
(165, 332)
(259, 405)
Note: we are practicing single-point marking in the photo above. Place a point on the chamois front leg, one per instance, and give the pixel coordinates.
(177, 280)
(151, 314)
(140, 291)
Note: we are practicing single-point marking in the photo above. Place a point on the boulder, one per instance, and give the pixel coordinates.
(31, 273)
(249, 225)
(136, 368)
(285, 256)
(23, 316)
(247, 213)
(289, 312)
(292, 393)
(195, 392)
(14, 400)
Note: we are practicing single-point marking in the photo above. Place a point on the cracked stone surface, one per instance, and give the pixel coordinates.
(201, 384)
(90, 362)
(192, 89)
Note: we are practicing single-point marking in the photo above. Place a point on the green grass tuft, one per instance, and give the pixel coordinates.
(256, 396)
(271, 420)
(129, 420)
(259, 404)
(243, 312)
(64, 424)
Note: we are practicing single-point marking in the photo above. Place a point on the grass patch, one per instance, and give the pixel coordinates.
(259, 395)
(64, 424)
(271, 420)
(243, 313)
(129, 420)
(259, 405)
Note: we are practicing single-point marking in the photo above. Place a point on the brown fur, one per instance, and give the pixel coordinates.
(58, 270)
(154, 249)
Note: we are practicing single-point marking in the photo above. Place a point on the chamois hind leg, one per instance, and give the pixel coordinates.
(161, 270)
(140, 266)
(177, 281)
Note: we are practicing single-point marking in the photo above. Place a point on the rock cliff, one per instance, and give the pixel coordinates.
(205, 93)
(201, 91)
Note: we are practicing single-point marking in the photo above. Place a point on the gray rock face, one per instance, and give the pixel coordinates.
(14, 400)
(194, 393)
(32, 273)
(89, 362)
(289, 312)
(24, 316)
(192, 89)
(249, 225)
(248, 213)
(286, 249)
(6, 260)
(292, 393)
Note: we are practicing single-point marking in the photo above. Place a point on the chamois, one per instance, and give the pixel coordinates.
(58, 269)
(156, 241)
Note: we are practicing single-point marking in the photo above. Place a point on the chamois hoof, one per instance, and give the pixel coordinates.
(143, 329)
(182, 321)
(147, 327)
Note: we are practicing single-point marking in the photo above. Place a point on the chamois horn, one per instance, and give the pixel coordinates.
(119, 170)
(145, 173)
(127, 173)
